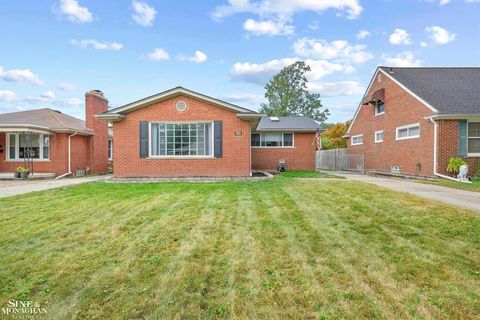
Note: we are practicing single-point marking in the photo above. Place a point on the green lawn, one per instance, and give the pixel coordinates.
(276, 249)
(307, 174)
(474, 186)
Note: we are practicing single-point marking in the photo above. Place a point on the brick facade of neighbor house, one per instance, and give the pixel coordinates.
(447, 145)
(95, 103)
(300, 157)
(235, 160)
(58, 158)
(413, 156)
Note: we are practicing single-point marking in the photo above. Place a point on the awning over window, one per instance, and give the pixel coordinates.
(375, 96)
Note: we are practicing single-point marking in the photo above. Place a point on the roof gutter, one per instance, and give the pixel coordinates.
(110, 116)
(453, 116)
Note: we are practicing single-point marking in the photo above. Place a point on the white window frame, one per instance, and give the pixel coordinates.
(110, 155)
(413, 125)
(476, 154)
(17, 148)
(356, 136)
(277, 147)
(379, 113)
(375, 136)
(212, 141)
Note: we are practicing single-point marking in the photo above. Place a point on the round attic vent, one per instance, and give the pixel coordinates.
(181, 105)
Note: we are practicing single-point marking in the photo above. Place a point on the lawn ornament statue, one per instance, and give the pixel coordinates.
(463, 173)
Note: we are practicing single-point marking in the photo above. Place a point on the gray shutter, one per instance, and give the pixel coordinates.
(217, 144)
(462, 138)
(143, 139)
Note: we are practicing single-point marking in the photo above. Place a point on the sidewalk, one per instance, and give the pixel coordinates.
(12, 189)
(464, 199)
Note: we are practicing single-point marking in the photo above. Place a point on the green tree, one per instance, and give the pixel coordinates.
(287, 95)
(335, 136)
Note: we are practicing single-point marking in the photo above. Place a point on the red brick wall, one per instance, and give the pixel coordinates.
(236, 150)
(80, 152)
(300, 157)
(401, 109)
(447, 146)
(97, 104)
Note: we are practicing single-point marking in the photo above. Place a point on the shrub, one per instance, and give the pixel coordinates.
(454, 164)
(476, 175)
(22, 169)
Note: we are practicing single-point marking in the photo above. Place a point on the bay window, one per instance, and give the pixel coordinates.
(474, 138)
(272, 140)
(181, 139)
(28, 145)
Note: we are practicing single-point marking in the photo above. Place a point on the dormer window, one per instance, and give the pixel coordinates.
(379, 108)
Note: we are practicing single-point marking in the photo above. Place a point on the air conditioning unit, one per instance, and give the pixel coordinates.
(395, 169)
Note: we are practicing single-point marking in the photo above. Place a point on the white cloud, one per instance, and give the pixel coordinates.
(363, 34)
(440, 35)
(404, 59)
(17, 75)
(268, 27)
(72, 102)
(423, 44)
(440, 2)
(261, 73)
(336, 89)
(338, 49)
(7, 96)
(48, 94)
(245, 98)
(198, 57)
(285, 8)
(75, 12)
(144, 14)
(158, 54)
(98, 45)
(65, 86)
(399, 36)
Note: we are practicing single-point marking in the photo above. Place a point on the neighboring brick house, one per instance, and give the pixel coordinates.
(58, 144)
(412, 120)
(182, 133)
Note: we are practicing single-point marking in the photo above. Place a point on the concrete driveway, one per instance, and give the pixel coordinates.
(15, 187)
(464, 199)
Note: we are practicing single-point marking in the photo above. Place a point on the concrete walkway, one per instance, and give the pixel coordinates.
(456, 197)
(13, 189)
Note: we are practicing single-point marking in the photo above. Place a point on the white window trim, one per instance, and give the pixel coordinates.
(357, 136)
(379, 113)
(408, 127)
(17, 148)
(278, 147)
(110, 140)
(212, 141)
(476, 154)
(375, 136)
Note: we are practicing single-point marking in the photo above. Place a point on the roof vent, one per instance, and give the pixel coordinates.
(276, 119)
(58, 111)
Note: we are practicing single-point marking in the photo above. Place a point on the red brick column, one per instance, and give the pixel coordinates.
(96, 103)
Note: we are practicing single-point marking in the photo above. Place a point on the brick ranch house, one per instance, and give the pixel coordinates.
(182, 133)
(58, 144)
(412, 120)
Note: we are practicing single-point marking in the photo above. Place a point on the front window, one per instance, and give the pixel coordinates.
(411, 131)
(181, 139)
(474, 138)
(28, 145)
(378, 136)
(357, 140)
(272, 140)
(110, 150)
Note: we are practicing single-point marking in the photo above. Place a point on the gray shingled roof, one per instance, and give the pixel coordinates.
(47, 118)
(449, 90)
(287, 123)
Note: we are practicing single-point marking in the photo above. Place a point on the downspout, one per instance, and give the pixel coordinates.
(435, 160)
(69, 158)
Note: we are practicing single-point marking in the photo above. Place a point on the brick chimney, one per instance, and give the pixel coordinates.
(96, 103)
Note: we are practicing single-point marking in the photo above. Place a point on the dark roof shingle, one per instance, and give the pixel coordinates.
(453, 90)
(293, 123)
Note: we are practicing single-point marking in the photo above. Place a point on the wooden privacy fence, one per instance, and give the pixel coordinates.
(339, 160)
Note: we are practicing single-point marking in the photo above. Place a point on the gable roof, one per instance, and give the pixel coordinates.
(119, 112)
(44, 119)
(451, 91)
(292, 123)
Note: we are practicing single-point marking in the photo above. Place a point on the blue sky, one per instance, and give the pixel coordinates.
(52, 51)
